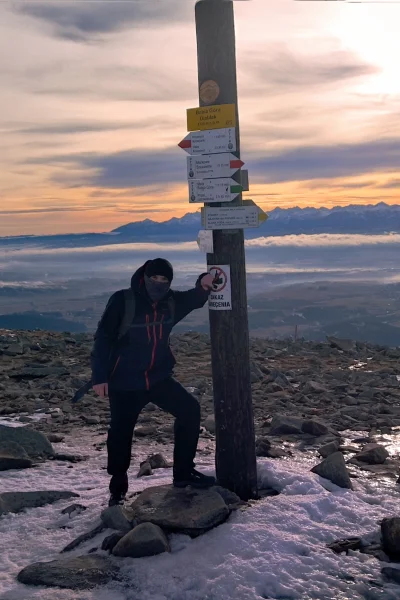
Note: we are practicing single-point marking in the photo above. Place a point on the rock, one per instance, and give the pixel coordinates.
(391, 574)
(13, 456)
(158, 461)
(73, 508)
(118, 518)
(35, 444)
(84, 537)
(328, 449)
(372, 454)
(189, 511)
(145, 430)
(390, 530)
(14, 349)
(314, 428)
(339, 546)
(282, 424)
(209, 424)
(334, 468)
(38, 372)
(73, 458)
(145, 469)
(111, 541)
(92, 420)
(314, 387)
(231, 499)
(14, 502)
(263, 446)
(75, 573)
(341, 343)
(146, 539)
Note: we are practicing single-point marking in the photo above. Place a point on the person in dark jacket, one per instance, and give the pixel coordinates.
(138, 369)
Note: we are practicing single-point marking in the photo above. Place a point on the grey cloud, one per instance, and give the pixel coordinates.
(284, 72)
(87, 21)
(54, 209)
(72, 128)
(319, 162)
(133, 169)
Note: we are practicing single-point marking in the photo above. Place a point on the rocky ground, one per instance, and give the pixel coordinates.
(337, 404)
(341, 383)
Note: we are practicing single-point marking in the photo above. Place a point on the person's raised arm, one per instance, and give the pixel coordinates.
(193, 299)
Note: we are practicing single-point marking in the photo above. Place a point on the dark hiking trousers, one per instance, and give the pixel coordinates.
(125, 407)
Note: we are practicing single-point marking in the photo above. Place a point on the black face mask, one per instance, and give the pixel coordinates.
(156, 289)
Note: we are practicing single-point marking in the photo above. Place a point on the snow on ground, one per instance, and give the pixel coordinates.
(275, 549)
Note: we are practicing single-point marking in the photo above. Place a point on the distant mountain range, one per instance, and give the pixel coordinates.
(353, 219)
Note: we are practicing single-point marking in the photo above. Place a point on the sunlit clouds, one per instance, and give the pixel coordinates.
(93, 101)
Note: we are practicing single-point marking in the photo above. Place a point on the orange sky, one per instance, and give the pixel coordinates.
(92, 112)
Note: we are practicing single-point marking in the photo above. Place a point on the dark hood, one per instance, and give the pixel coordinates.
(137, 282)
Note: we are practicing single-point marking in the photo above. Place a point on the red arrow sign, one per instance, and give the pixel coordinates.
(236, 164)
(185, 143)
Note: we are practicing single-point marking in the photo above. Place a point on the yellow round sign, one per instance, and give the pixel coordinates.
(209, 91)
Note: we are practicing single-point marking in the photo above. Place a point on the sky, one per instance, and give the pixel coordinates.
(93, 99)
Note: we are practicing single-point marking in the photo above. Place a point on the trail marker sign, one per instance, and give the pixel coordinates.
(235, 217)
(212, 166)
(213, 190)
(211, 117)
(221, 296)
(212, 141)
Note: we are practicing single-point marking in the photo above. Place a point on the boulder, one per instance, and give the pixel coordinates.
(282, 424)
(111, 541)
(35, 444)
(13, 456)
(189, 511)
(145, 469)
(158, 461)
(328, 449)
(343, 344)
(334, 469)
(116, 517)
(263, 446)
(14, 502)
(314, 387)
(390, 531)
(313, 427)
(38, 372)
(209, 424)
(391, 574)
(146, 539)
(75, 573)
(372, 454)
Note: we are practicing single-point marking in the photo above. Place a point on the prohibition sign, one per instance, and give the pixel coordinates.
(220, 279)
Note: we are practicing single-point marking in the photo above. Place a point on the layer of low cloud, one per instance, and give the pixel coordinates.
(324, 240)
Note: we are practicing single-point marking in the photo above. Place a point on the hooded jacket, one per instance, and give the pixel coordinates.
(143, 357)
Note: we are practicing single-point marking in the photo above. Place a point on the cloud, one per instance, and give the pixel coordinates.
(319, 162)
(71, 128)
(393, 184)
(54, 209)
(324, 239)
(87, 21)
(285, 72)
(127, 169)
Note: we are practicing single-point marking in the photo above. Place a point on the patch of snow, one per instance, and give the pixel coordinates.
(275, 549)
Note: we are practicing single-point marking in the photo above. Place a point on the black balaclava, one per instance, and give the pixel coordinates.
(156, 289)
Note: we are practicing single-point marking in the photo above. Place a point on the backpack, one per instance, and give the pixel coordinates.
(129, 313)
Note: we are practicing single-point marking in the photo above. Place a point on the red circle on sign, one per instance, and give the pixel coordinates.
(219, 273)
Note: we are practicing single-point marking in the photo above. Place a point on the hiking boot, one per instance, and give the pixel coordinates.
(116, 500)
(194, 479)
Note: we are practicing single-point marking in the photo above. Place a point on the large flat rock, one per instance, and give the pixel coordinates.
(35, 444)
(14, 502)
(13, 456)
(78, 573)
(189, 511)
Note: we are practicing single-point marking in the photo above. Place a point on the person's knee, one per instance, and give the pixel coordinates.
(191, 410)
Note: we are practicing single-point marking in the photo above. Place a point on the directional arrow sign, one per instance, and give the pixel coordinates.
(210, 142)
(213, 190)
(232, 217)
(210, 166)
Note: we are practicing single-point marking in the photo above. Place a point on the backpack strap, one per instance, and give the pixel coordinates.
(129, 313)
